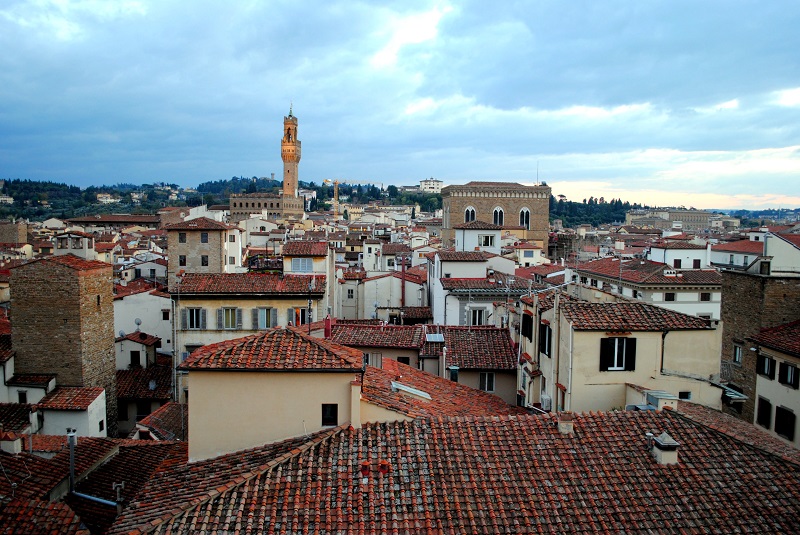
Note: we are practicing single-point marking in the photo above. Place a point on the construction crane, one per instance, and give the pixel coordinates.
(336, 182)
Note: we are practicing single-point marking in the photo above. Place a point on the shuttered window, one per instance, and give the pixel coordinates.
(617, 354)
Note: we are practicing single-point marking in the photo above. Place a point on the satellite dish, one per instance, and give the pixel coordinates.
(137, 321)
(152, 384)
(122, 334)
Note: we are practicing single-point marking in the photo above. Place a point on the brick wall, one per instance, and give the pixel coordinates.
(13, 233)
(62, 322)
(194, 249)
(486, 197)
(750, 303)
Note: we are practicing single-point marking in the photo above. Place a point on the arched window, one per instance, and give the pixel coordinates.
(525, 218)
(469, 214)
(498, 216)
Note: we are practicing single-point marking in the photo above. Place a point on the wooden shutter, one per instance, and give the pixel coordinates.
(606, 353)
(783, 373)
(290, 316)
(203, 317)
(184, 319)
(239, 321)
(630, 354)
(254, 318)
(220, 325)
(273, 317)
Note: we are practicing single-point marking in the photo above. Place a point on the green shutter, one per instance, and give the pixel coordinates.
(630, 354)
(606, 353)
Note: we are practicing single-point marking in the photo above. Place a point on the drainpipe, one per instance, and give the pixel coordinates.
(663, 337)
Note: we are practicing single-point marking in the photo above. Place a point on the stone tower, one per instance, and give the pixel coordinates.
(290, 153)
(62, 323)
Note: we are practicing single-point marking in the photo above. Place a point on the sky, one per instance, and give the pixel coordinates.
(661, 102)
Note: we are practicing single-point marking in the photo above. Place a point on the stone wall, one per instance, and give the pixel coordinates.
(750, 303)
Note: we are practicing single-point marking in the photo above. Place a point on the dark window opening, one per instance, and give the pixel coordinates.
(330, 414)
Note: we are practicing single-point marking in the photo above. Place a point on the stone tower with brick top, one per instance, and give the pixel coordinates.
(62, 323)
(293, 206)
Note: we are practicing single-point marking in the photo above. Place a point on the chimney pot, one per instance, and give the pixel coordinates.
(566, 425)
(664, 449)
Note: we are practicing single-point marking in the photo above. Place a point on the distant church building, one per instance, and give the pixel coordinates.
(508, 204)
(289, 205)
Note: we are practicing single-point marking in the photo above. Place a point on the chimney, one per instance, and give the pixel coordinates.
(663, 447)
(10, 442)
(565, 424)
(355, 402)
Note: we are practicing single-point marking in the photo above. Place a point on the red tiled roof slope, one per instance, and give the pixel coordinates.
(70, 398)
(39, 517)
(628, 317)
(135, 384)
(305, 248)
(784, 338)
(474, 348)
(477, 475)
(250, 283)
(407, 337)
(285, 349)
(140, 338)
(169, 422)
(448, 398)
(201, 223)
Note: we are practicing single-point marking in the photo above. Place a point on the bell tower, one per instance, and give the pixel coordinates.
(290, 154)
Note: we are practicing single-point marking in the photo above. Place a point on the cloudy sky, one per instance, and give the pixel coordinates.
(671, 102)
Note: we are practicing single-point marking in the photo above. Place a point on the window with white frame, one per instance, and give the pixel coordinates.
(787, 375)
(477, 316)
(765, 366)
(737, 354)
(195, 318)
(264, 318)
(486, 381)
(350, 293)
(486, 240)
(230, 318)
(231, 260)
(302, 265)
(617, 354)
(545, 339)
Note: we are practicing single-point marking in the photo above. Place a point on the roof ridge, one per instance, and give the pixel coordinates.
(244, 478)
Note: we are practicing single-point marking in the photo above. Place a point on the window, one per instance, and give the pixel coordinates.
(497, 216)
(669, 296)
(142, 409)
(785, 423)
(705, 296)
(181, 237)
(766, 366)
(229, 318)
(195, 318)
(527, 254)
(22, 396)
(737, 354)
(469, 214)
(297, 316)
(787, 375)
(527, 326)
(152, 273)
(764, 268)
(204, 260)
(122, 411)
(404, 360)
(486, 241)
(136, 359)
(476, 316)
(165, 314)
(182, 260)
(231, 260)
(617, 354)
(232, 238)
(350, 293)
(744, 260)
(264, 318)
(696, 263)
(676, 263)
(330, 414)
(525, 218)
(685, 394)
(545, 342)
(204, 237)
(486, 381)
(102, 425)
(302, 265)
(730, 259)
(764, 413)
(584, 280)
(593, 283)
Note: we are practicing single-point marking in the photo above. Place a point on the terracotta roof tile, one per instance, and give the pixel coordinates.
(39, 517)
(70, 398)
(648, 272)
(201, 223)
(629, 316)
(286, 349)
(305, 248)
(462, 256)
(136, 384)
(741, 246)
(141, 337)
(477, 475)
(250, 283)
(15, 416)
(784, 338)
(448, 398)
(399, 336)
(169, 422)
(474, 348)
(71, 261)
(477, 225)
(395, 248)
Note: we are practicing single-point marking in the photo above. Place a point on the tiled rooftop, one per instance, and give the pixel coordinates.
(406, 337)
(305, 248)
(448, 398)
(39, 517)
(15, 416)
(201, 223)
(488, 475)
(136, 384)
(474, 348)
(250, 283)
(277, 349)
(784, 338)
(395, 248)
(141, 338)
(500, 282)
(71, 261)
(629, 316)
(477, 225)
(648, 272)
(70, 398)
(741, 246)
(462, 256)
(169, 422)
